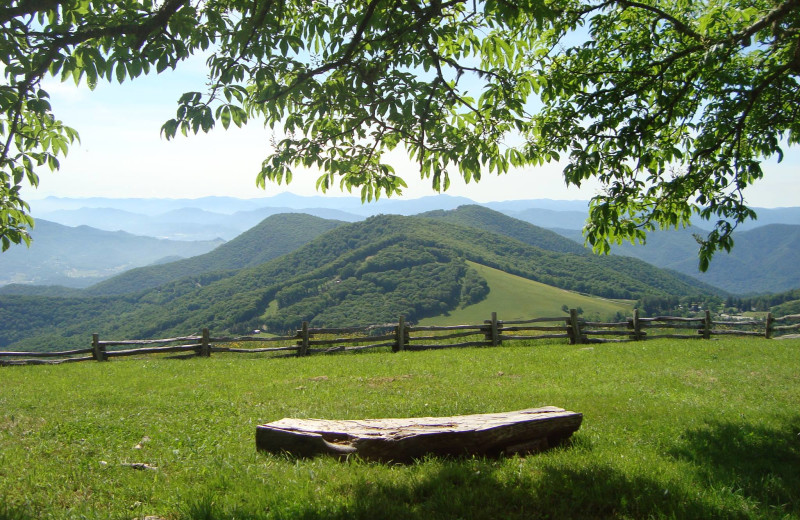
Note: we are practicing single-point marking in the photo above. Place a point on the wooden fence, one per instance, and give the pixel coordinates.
(401, 336)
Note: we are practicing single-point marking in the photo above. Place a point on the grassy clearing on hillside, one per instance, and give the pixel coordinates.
(514, 298)
(672, 429)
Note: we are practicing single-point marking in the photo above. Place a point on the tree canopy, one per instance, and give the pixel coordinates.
(671, 104)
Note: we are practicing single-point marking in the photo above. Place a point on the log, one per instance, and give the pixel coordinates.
(479, 329)
(520, 337)
(359, 339)
(521, 329)
(447, 336)
(35, 361)
(252, 350)
(534, 320)
(240, 339)
(404, 440)
(434, 346)
(63, 353)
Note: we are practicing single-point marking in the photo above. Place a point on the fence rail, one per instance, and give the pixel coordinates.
(401, 336)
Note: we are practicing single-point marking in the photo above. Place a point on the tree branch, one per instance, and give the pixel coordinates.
(677, 24)
(344, 59)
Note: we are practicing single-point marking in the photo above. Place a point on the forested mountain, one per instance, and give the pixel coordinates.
(273, 237)
(762, 260)
(366, 272)
(81, 256)
(489, 220)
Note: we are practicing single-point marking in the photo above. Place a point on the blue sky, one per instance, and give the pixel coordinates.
(121, 154)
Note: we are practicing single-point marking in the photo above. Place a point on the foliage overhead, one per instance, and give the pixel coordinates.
(672, 105)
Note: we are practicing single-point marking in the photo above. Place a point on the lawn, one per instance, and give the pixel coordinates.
(672, 429)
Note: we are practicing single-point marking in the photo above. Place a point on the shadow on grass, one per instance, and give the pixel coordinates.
(10, 513)
(593, 492)
(760, 463)
(477, 490)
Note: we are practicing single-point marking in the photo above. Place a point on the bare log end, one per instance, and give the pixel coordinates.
(300, 444)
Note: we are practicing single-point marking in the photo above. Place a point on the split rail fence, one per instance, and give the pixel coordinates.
(401, 336)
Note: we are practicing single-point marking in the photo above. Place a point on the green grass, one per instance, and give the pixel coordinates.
(515, 298)
(672, 429)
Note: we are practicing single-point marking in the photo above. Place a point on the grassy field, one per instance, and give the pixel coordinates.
(513, 298)
(672, 429)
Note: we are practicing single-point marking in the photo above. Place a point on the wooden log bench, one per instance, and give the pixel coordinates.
(404, 440)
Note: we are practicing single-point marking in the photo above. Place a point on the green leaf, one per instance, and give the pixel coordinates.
(120, 71)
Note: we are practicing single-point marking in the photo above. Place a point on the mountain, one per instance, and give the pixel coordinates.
(766, 216)
(186, 223)
(549, 218)
(273, 237)
(149, 207)
(670, 248)
(365, 272)
(174, 225)
(489, 220)
(762, 260)
(549, 204)
(80, 256)
(226, 217)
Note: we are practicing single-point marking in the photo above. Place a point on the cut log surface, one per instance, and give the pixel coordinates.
(403, 440)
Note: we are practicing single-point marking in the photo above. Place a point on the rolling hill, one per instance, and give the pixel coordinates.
(360, 273)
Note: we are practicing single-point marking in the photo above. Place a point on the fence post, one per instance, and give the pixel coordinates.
(637, 325)
(400, 334)
(770, 322)
(495, 334)
(205, 344)
(707, 325)
(98, 350)
(303, 340)
(575, 328)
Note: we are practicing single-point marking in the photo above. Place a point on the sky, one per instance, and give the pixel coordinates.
(121, 154)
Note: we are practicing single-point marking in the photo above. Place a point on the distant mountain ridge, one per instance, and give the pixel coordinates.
(187, 223)
(81, 256)
(763, 259)
(210, 218)
(277, 235)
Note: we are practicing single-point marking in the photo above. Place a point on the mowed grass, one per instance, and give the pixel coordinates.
(516, 298)
(672, 429)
